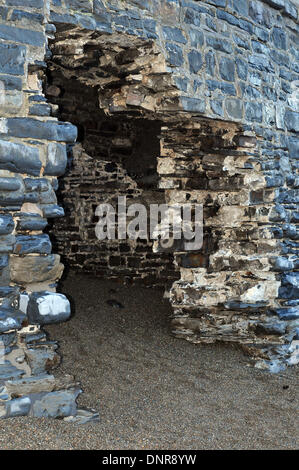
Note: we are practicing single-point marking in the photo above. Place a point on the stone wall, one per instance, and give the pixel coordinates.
(221, 76)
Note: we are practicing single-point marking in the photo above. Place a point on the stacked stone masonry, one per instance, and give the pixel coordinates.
(216, 84)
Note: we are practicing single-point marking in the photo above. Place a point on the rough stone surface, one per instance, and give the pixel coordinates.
(48, 307)
(177, 102)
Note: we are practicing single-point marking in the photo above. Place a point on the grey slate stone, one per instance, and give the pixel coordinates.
(24, 36)
(37, 184)
(26, 244)
(40, 110)
(241, 6)
(18, 407)
(291, 313)
(6, 224)
(210, 63)
(10, 82)
(234, 108)
(9, 184)
(279, 38)
(31, 269)
(12, 58)
(8, 371)
(195, 61)
(52, 211)
(30, 222)
(45, 130)
(291, 120)
(175, 55)
(174, 34)
(242, 68)
(227, 69)
(193, 104)
(56, 160)
(254, 111)
(10, 319)
(231, 19)
(196, 37)
(217, 107)
(25, 3)
(19, 158)
(219, 44)
(42, 358)
(260, 13)
(85, 6)
(55, 404)
(48, 307)
(192, 17)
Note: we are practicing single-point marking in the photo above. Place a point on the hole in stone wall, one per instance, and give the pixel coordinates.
(114, 156)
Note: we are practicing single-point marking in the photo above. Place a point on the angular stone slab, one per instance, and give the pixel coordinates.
(55, 404)
(26, 385)
(42, 359)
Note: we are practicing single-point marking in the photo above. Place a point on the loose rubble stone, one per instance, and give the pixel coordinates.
(55, 404)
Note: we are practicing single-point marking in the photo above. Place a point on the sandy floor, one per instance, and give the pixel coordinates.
(154, 391)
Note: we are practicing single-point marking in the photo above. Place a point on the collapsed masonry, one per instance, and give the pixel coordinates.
(227, 291)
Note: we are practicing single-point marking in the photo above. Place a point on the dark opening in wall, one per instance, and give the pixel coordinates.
(114, 156)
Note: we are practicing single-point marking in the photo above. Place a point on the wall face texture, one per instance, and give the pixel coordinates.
(215, 83)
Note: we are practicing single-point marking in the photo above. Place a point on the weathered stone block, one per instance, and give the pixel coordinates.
(241, 6)
(6, 224)
(195, 61)
(19, 158)
(234, 108)
(12, 58)
(40, 110)
(288, 313)
(48, 307)
(219, 44)
(25, 3)
(45, 130)
(26, 244)
(231, 19)
(9, 371)
(24, 36)
(10, 319)
(43, 358)
(254, 111)
(30, 222)
(55, 404)
(56, 160)
(31, 269)
(18, 407)
(174, 34)
(175, 55)
(291, 120)
(52, 211)
(260, 14)
(242, 68)
(227, 69)
(27, 385)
